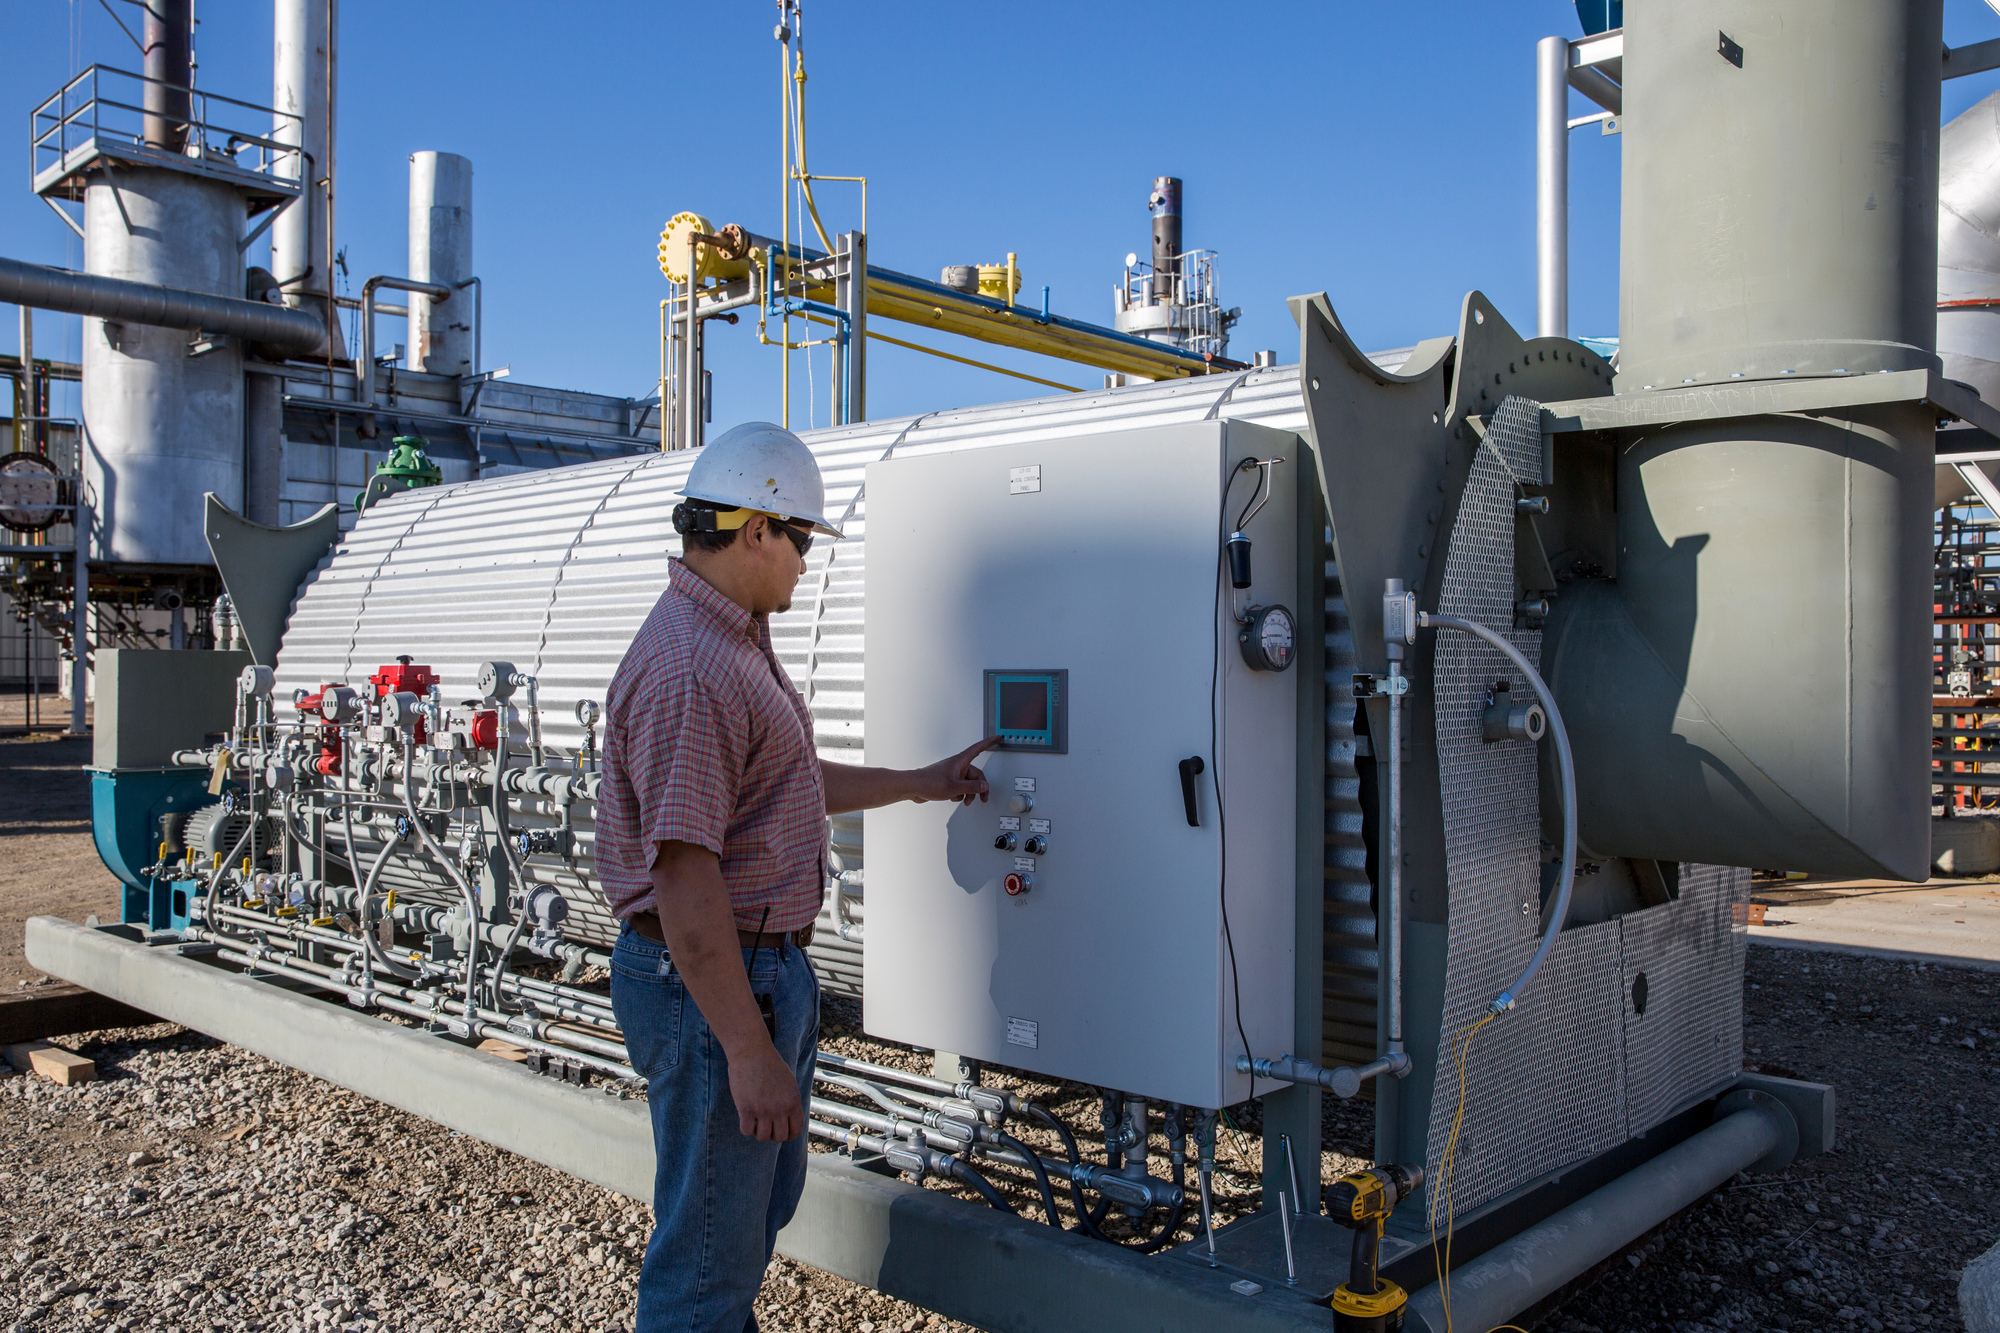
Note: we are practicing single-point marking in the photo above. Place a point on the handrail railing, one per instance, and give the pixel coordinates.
(94, 107)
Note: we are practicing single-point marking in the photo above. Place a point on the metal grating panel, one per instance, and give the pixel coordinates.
(1690, 1039)
(1543, 1083)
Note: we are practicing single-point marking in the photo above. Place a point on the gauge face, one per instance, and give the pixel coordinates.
(1269, 639)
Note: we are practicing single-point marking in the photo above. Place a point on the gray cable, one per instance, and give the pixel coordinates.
(1507, 998)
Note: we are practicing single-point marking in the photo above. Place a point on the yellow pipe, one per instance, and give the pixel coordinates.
(864, 195)
(1018, 328)
(784, 229)
(962, 360)
(801, 174)
(1010, 328)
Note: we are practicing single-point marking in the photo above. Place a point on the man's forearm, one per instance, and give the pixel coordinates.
(853, 787)
(692, 901)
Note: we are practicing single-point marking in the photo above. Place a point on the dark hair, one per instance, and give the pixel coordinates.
(709, 541)
(695, 538)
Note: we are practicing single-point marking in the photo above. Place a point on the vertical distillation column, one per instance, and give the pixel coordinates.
(441, 252)
(162, 409)
(305, 69)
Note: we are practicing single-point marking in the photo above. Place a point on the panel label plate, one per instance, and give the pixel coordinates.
(1010, 824)
(1024, 784)
(1024, 864)
(1039, 826)
(1024, 480)
(1024, 1032)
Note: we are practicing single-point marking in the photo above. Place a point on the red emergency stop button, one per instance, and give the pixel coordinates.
(1017, 883)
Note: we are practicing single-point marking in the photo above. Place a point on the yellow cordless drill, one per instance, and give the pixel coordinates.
(1367, 1302)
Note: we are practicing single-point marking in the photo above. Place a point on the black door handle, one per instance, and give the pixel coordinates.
(1189, 769)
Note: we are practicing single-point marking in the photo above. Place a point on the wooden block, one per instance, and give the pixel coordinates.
(52, 1063)
(1757, 914)
(35, 1012)
(506, 1050)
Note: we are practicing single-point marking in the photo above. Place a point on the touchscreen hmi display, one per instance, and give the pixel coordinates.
(1024, 705)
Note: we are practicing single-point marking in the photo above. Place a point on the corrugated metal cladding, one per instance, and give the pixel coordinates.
(554, 571)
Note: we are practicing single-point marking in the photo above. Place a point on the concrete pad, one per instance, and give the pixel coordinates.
(1953, 922)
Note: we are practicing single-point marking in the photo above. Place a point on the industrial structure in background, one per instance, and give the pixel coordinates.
(1408, 732)
(200, 375)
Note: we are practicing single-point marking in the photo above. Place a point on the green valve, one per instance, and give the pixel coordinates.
(406, 468)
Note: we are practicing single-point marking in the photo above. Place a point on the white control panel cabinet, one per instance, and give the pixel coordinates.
(1073, 596)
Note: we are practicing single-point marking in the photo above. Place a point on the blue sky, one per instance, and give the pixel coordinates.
(1383, 154)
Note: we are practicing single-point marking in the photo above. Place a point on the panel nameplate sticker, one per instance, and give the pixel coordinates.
(1024, 1032)
(1024, 480)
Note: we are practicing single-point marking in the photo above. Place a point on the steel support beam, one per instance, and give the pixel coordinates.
(851, 296)
(1552, 187)
(79, 624)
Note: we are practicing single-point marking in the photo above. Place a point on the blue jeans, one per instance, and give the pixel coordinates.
(719, 1197)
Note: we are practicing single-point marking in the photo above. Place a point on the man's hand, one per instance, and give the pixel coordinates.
(766, 1094)
(693, 905)
(953, 779)
(854, 787)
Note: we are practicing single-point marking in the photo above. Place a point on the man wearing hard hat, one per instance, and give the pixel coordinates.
(711, 844)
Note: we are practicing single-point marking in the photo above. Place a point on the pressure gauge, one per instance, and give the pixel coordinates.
(1269, 638)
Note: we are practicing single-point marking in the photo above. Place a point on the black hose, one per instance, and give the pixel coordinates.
(962, 1171)
(1089, 1220)
(1042, 1113)
(1041, 1175)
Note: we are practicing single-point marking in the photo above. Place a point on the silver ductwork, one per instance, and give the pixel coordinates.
(113, 299)
(1745, 687)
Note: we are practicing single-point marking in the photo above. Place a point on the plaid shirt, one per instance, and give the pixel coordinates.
(707, 742)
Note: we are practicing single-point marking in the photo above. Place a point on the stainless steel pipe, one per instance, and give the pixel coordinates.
(289, 331)
(1552, 187)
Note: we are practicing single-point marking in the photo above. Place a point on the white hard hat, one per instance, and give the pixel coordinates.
(763, 467)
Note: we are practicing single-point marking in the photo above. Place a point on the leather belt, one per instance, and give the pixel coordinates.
(648, 925)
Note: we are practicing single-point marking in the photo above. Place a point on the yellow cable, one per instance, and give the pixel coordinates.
(1443, 1261)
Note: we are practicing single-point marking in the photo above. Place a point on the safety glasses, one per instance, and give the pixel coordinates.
(801, 537)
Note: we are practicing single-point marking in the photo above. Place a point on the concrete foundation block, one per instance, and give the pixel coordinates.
(1979, 1293)
(1967, 845)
